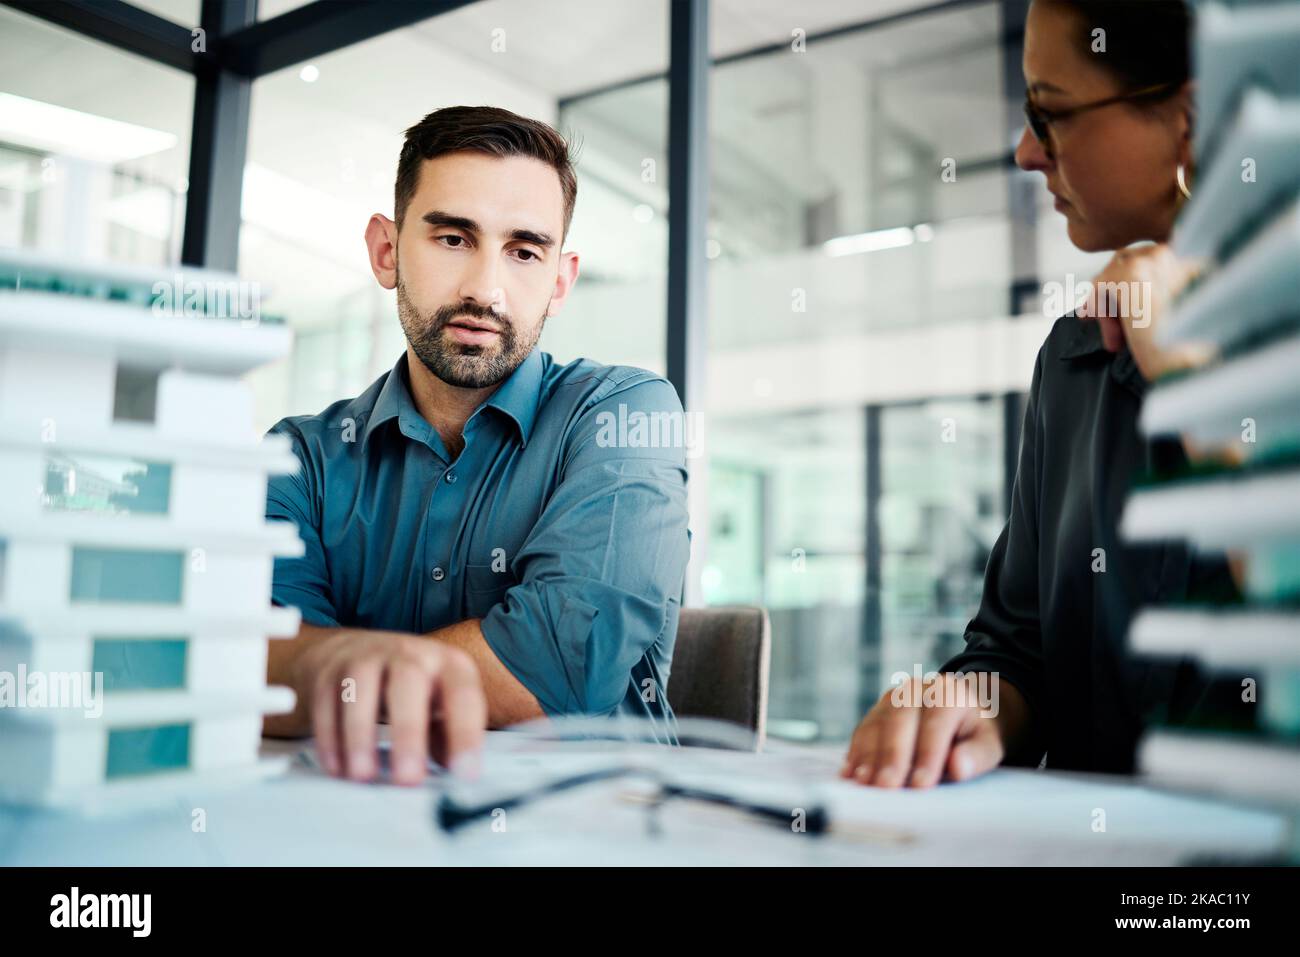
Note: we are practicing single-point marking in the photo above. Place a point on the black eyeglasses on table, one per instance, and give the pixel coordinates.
(452, 813)
(456, 809)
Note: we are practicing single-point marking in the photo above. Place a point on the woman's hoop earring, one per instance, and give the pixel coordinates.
(1182, 181)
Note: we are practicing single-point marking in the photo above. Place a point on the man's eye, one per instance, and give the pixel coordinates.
(455, 242)
(527, 255)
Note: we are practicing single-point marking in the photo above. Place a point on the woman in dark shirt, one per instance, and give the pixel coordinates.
(1110, 116)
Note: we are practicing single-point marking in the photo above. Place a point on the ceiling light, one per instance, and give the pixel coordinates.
(56, 129)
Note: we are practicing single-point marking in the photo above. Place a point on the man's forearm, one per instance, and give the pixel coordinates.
(509, 702)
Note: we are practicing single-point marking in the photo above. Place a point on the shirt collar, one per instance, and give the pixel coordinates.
(1084, 339)
(394, 400)
(520, 394)
(517, 397)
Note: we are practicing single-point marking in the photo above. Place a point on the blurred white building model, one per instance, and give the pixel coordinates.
(135, 559)
(1243, 220)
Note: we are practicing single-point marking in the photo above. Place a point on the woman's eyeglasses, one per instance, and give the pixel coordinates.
(1040, 120)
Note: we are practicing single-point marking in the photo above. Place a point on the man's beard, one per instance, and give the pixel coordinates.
(464, 365)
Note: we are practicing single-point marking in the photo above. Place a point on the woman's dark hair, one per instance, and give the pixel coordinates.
(1147, 42)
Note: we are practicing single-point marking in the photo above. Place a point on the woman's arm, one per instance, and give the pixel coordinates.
(981, 710)
(1154, 277)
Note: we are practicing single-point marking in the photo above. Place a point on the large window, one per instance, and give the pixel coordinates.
(874, 257)
(323, 147)
(863, 345)
(93, 159)
(940, 509)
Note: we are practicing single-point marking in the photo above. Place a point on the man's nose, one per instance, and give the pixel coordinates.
(480, 284)
(1030, 153)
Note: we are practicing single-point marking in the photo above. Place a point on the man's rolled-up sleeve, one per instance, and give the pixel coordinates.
(602, 566)
(1005, 636)
(301, 583)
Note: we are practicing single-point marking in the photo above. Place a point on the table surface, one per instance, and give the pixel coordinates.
(304, 817)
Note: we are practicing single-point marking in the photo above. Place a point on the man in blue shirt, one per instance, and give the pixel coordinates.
(480, 502)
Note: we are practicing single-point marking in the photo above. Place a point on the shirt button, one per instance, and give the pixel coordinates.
(451, 478)
(437, 574)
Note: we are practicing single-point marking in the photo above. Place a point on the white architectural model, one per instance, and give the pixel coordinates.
(135, 559)
(1244, 219)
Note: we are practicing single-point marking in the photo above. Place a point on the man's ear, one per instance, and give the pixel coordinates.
(381, 244)
(564, 280)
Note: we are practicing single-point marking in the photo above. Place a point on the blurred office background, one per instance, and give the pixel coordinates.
(875, 263)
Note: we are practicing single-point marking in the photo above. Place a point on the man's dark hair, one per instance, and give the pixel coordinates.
(1147, 41)
(483, 129)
